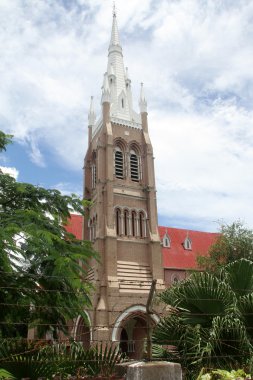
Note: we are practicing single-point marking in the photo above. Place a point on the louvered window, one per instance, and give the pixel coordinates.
(119, 164)
(134, 167)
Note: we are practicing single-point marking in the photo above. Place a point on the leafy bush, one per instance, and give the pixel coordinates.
(24, 359)
(211, 318)
(222, 374)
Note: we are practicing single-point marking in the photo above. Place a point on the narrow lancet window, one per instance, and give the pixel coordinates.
(118, 222)
(93, 176)
(125, 222)
(133, 223)
(134, 167)
(119, 163)
(141, 224)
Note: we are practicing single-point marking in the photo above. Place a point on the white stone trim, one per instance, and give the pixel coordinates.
(77, 322)
(126, 313)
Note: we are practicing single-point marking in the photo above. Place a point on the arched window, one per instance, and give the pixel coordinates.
(93, 176)
(93, 170)
(117, 216)
(166, 240)
(90, 229)
(122, 103)
(126, 227)
(187, 244)
(133, 221)
(94, 228)
(134, 166)
(119, 163)
(174, 278)
(141, 224)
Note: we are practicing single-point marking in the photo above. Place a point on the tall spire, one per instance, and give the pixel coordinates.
(91, 115)
(142, 100)
(106, 90)
(117, 85)
(115, 31)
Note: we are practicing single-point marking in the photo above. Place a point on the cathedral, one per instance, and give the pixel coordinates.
(119, 180)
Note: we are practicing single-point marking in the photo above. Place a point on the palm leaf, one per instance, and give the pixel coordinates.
(239, 276)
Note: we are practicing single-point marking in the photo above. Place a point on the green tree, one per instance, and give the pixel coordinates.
(4, 140)
(211, 318)
(42, 266)
(234, 242)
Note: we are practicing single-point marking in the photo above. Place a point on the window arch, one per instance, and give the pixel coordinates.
(126, 222)
(174, 278)
(133, 223)
(134, 166)
(141, 224)
(93, 171)
(118, 219)
(166, 240)
(129, 222)
(119, 162)
(187, 243)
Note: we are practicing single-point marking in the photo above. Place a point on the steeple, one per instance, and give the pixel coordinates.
(118, 80)
(105, 90)
(142, 100)
(91, 115)
(115, 31)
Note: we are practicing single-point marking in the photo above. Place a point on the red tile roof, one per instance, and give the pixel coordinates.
(174, 257)
(177, 256)
(75, 226)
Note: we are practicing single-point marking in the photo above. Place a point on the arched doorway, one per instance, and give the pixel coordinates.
(131, 330)
(133, 335)
(82, 332)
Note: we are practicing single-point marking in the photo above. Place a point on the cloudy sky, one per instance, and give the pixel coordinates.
(195, 58)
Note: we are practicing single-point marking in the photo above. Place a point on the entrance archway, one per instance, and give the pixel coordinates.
(130, 330)
(83, 331)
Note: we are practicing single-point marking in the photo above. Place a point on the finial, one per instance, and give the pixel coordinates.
(114, 9)
(91, 115)
(115, 32)
(106, 90)
(142, 101)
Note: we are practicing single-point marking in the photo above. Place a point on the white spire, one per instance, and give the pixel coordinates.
(126, 75)
(142, 100)
(106, 90)
(111, 70)
(91, 115)
(115, 31)
(117, 85)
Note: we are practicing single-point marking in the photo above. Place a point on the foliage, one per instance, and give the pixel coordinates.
(211, 318)
(4, 140)
(42, 265)
(24, 359)
(234, 242)
(222, 374)
(5, 374)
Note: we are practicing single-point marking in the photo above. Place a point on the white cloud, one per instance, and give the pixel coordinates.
(13, 172)
(195, 58)
(67, 188)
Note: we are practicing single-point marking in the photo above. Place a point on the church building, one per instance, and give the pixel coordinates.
(119, 180)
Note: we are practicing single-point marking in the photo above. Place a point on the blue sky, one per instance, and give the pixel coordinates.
(195, 58)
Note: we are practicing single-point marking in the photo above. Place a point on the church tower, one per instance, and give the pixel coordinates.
(119, 180)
